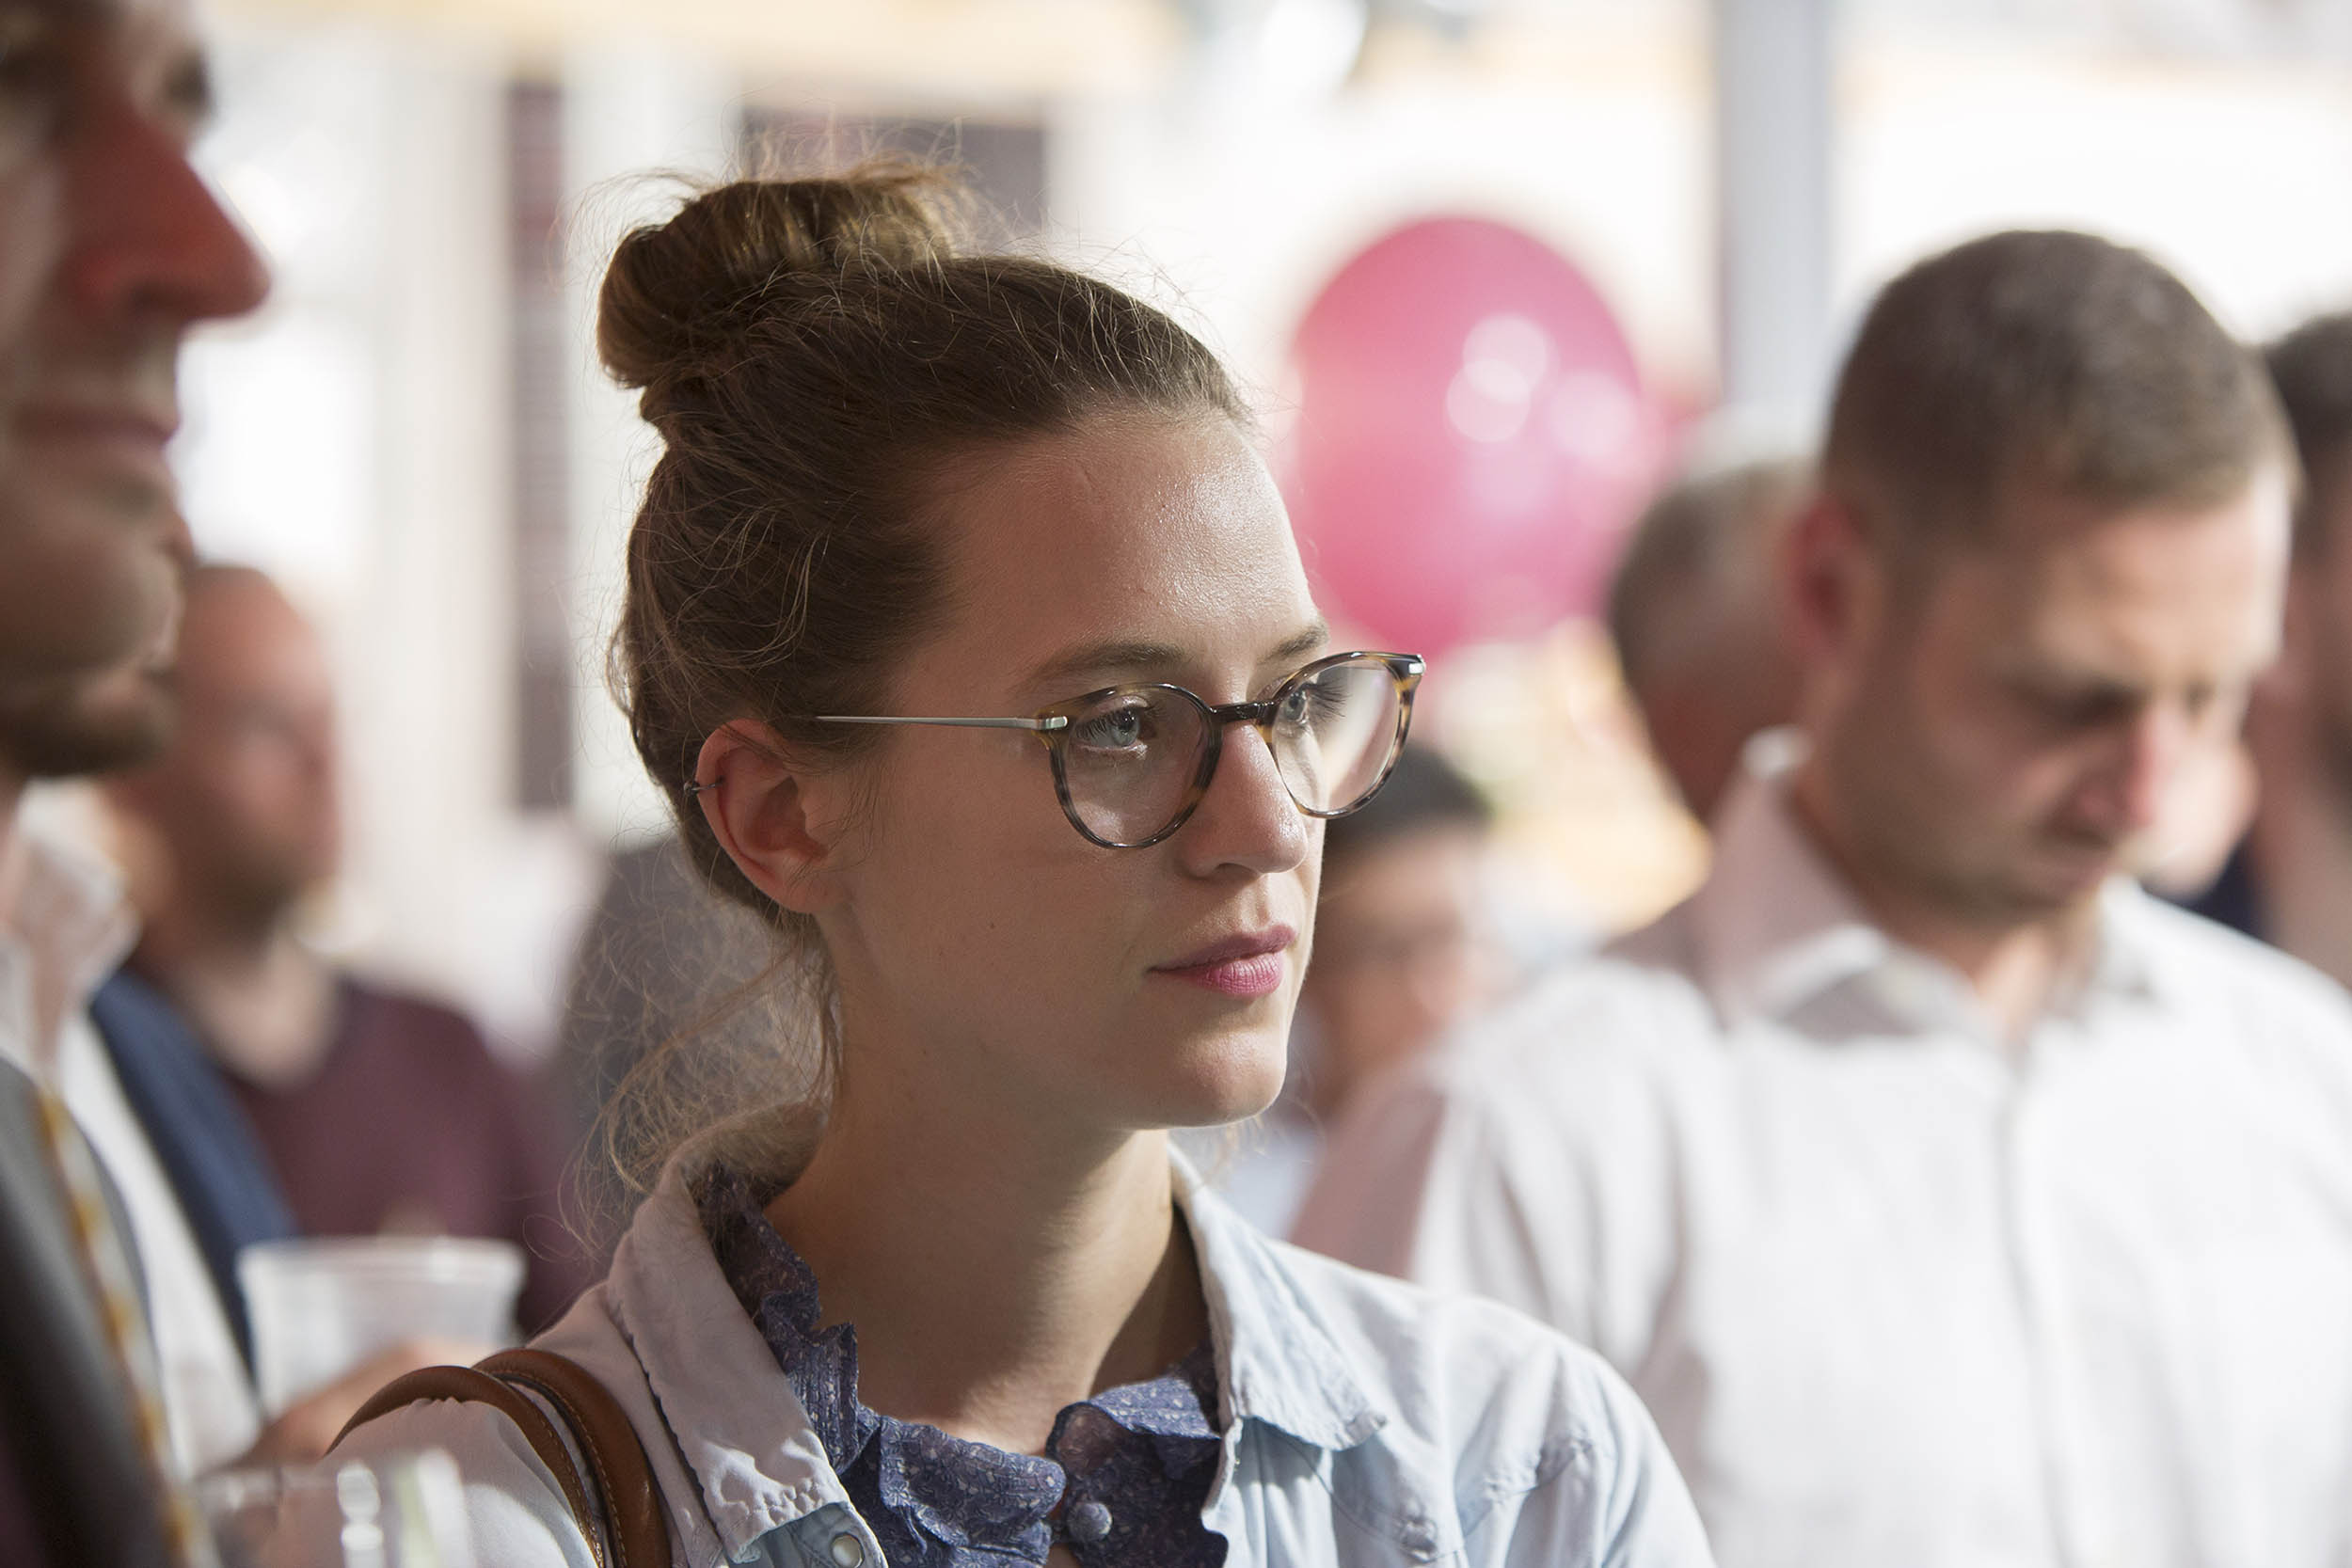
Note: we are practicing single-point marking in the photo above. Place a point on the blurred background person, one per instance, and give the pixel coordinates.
(663, 958)
(1950, 1199)
(1405, 949)
(1695, 612)
(92, 548)
(2290, 882)
(377, 1111)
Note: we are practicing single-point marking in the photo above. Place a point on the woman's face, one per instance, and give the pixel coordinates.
(1002, 958)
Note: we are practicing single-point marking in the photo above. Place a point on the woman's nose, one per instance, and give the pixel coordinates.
(1247, 817)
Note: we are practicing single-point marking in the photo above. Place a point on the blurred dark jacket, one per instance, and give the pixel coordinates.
(202, 1138)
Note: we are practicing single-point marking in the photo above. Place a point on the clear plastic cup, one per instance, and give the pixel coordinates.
(400, 1511)
(321, 1308)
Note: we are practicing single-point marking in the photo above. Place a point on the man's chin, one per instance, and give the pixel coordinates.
(2066, 880)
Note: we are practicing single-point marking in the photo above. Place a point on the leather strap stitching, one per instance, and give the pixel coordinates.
(465, 1384)
(632, 1501)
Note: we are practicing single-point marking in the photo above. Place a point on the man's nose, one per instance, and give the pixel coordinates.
(146, 237)
(2132, 792)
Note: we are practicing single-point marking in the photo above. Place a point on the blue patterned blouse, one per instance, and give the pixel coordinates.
(1123, 1479)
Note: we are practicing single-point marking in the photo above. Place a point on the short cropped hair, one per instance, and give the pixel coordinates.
(2044, 359)
(2311, 368)
(1707, 535)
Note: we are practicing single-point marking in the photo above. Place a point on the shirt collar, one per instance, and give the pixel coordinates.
(743, 1430)
(739, 1425)
(1277, 1361)
(65, 926)
(2127, 960)
(1776, 926)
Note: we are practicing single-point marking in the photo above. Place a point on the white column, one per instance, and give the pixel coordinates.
(1773, 88)
(629, 111)
(436, 698)
(351, 440)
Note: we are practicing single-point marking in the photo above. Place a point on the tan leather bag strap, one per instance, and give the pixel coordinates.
(622, 1475)
(619, 1471)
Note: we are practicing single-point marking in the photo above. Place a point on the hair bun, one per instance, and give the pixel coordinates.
(676, 290)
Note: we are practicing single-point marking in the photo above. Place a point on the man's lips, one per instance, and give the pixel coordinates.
(1246, 964)
(133, 435)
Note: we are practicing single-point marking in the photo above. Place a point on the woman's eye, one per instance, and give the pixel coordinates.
(1304, 707)
(1119, 729)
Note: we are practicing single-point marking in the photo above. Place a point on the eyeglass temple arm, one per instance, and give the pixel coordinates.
(1034, 725)
(696, 786)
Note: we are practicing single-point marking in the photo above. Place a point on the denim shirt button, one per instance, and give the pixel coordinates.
(1419, 1537)
(846, 1550)
(1090, 1522)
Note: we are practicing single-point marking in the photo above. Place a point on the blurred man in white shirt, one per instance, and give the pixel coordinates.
(1952, 1201)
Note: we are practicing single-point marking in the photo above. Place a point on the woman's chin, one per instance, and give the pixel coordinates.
(1207, 1081)
(1232, 1084)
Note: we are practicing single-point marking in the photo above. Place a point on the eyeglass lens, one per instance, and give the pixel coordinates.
(1129, 760)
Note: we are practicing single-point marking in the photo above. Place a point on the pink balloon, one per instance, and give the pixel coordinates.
(1471, 438)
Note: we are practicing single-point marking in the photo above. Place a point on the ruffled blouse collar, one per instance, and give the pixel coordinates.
(1123, 1479)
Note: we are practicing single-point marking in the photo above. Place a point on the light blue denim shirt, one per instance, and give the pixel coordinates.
(1366, 1423)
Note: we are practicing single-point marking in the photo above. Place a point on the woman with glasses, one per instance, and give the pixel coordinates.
(966, 633)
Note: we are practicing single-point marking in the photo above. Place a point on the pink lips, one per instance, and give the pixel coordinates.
(1248, 965)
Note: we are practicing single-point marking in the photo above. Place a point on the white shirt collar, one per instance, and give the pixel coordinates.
(1776, 926)
(65, 926)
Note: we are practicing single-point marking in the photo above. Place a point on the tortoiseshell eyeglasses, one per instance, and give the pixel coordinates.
(1131, 763)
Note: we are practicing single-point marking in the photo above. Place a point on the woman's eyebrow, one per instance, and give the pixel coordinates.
(1099, 659)
(1309, 640)
(1122, 657)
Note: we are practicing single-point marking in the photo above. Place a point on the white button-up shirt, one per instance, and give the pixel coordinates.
(64, 929)
(1898, 1296)
(1366, 1424)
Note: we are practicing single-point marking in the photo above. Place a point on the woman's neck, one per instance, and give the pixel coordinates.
(993, 1275)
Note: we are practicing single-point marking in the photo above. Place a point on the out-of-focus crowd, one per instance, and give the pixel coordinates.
(1948, 1191)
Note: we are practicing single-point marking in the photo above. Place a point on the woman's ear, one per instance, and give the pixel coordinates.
(775, 817)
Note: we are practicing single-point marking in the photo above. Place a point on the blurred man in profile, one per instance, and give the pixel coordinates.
(1696, 616)
(379, 1111)
(69, 1425)
(1951, 1200)
(2290, 882)
(111, 247)
(117, 248)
